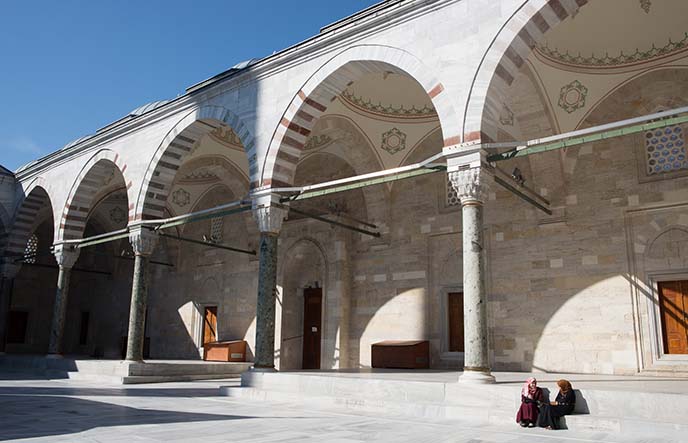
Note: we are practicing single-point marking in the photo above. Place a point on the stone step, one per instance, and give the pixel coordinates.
(601, 410)
(122, 372)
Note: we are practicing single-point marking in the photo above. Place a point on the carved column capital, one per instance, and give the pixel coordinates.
(143, 240)
(65, 255)
(471, 184)
(268, 215)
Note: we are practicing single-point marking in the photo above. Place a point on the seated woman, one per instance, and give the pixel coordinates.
(563, 405)
(531, 395)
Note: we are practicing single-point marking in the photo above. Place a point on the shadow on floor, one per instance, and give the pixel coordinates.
(28, 414)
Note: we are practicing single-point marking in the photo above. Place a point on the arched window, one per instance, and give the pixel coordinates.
(31, 249)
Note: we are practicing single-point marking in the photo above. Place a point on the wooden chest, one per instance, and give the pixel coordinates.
(401, 354)
(225, 351)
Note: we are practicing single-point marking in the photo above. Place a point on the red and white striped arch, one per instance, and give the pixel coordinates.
(177, 145)
(333, 77)
(503, 60)
(101, 169)
(37, 197)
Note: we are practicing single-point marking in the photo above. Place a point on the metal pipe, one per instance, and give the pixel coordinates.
(212, 245)
(336, 223)
(342, 181)
(595, 133)
(371, 182)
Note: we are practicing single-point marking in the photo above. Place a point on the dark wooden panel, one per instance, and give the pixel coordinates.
(312, 322)
(401, 354)
(455, 313)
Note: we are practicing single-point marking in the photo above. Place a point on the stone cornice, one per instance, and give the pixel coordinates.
(329, 41)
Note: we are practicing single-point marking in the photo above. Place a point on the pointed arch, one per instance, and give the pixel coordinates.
(101, 170)
(333, 77)
(37, 198)
(501, 63)
(177, 145)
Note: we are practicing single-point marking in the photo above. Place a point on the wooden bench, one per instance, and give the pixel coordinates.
(234, 350)
(401, 354)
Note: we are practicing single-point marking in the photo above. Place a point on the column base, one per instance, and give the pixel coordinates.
(54, 356)
(477, 377)
(263, 369)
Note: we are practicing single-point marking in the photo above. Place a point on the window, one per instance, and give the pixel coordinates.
(216, 225)
(665, 150)
(31, 249)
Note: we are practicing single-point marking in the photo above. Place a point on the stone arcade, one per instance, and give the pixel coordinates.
(381, 172)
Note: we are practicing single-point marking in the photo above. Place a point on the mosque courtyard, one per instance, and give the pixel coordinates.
(40, 409)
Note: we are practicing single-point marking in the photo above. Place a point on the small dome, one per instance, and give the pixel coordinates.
(148, 107)
(75, 142)
(245, 63)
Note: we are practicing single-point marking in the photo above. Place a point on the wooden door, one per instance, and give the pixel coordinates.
(210, 324)
(455, 310)
(312, 316)
(673, 306)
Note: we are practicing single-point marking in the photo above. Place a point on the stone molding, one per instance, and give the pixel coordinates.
(143, 240)
(65, 255)
(471, 184)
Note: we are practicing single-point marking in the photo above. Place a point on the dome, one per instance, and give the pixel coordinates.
(148, 107)
(76, 142)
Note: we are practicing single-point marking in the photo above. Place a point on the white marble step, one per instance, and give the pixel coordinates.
(639, 413)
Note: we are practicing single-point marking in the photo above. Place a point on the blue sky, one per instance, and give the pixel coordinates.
(69, 67)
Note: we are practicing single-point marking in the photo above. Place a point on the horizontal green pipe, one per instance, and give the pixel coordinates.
(224, 213)
(102, 240)
(612, 133)
(364, 183)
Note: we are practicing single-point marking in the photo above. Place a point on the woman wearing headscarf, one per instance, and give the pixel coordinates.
(563, 405)
(531, 395)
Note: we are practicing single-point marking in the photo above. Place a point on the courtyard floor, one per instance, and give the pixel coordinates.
(37, 409)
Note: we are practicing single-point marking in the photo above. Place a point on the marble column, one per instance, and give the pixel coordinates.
(143, 242)
(471, 186)
(8, 271)
(65, 256)
(269, 218)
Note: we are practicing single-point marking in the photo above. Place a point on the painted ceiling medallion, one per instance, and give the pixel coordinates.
(393, 141)
(181, 197)
(572, 96)
(646, 4)
(117, 215)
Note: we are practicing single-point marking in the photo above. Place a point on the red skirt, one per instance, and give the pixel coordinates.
(527, 412)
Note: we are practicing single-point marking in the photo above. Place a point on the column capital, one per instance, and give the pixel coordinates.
(143, 240)
(269, 213)
(471, 184)
(65, 255)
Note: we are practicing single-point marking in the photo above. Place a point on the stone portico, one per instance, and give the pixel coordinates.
(395, 171)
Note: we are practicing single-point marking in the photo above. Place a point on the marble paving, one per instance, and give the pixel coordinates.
(37, 409)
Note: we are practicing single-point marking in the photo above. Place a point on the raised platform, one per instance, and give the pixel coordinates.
(122, 372)
(642, 406)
